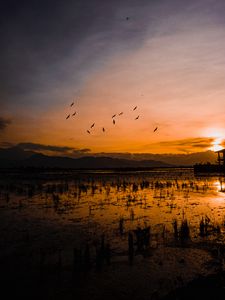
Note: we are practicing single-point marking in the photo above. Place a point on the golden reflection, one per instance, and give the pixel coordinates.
(217, 185)
(153, 197)
(220, 185)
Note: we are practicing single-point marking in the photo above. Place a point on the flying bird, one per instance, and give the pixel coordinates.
(120, 114)
(155, 129)
(113, 116)
(127, 18)
(92, 125)
(67, 117)
(137, 118)
(135, 108)
(114, 122)
(71, 104)
(74, 113)
(88, 131)
(103, 129)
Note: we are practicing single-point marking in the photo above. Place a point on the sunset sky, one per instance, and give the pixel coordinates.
(167, 57)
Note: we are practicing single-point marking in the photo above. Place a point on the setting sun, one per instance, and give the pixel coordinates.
(217, 145)
(217, 135)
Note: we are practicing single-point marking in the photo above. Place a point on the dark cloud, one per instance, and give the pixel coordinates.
(81, 151)
(49, 43)
(53, 40)
(56, 45)
(54, 150)
(41, 147)
(4, 123)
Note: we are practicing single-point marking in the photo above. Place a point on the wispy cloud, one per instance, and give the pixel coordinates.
(190, 142)
(185, 145)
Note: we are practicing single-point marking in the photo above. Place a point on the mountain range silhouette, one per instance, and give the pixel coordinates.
(16, 157)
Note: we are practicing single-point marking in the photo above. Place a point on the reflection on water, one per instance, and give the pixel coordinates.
(112, 202)
(151, 231)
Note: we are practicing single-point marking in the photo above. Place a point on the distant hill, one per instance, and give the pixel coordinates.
(10, 157)
(174, 159)
(88, 162)
(14, 153)
(17, 157)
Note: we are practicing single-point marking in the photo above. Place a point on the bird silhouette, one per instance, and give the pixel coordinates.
(67, 117)
(114, 122)
(113, 116)
(127, 18)
(74, 113)
(103, 129)
(92, 125)
(155, 129)
(135, 108)
(120, 114)
(71, 104)
(137, 118)
(88, 131)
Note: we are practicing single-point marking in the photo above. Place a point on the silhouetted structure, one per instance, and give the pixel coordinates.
(221, 157)
(210, 168)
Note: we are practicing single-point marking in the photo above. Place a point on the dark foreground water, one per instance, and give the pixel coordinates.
(139, 234)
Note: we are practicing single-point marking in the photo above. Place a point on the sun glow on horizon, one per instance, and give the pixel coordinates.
(217, 134)
(216, 145)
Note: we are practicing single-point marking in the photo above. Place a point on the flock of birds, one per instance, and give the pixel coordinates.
(113, 119)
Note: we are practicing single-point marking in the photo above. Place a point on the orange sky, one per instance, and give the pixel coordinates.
(172, 69)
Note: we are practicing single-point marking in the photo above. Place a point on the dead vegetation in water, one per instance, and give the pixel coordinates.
(129, 236)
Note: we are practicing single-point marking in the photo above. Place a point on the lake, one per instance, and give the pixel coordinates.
(70, 216)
